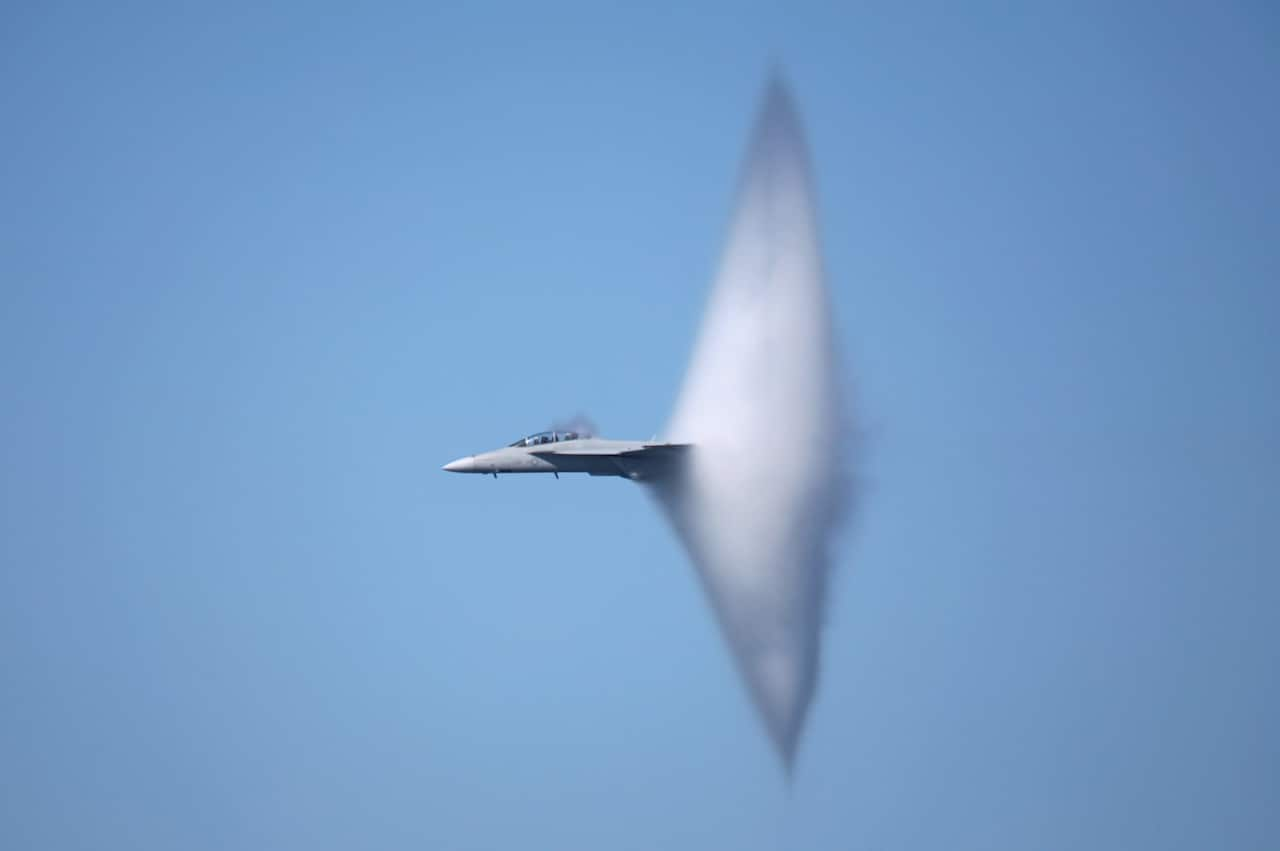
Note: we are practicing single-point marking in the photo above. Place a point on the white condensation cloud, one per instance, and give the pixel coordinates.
(763, 493)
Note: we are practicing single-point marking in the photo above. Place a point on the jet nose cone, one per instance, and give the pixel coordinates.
(462, 465)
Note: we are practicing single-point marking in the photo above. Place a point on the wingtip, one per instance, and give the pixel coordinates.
(776, 79)
(777, 94)
(787, 753)
(777, 84)
(777, 126)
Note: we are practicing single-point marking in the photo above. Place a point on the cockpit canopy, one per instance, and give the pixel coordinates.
(548, 437)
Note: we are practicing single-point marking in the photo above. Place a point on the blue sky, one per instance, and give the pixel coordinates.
(263, 270)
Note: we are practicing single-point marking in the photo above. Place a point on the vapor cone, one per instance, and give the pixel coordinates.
(760, 497)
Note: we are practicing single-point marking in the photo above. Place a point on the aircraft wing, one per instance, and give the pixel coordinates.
(634, 451)
(629, 460)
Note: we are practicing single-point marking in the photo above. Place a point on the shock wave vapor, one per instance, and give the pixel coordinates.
(751, 470)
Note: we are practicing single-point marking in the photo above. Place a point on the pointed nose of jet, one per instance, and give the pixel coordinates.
(462, 465)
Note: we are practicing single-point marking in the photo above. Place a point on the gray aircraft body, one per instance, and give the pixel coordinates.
(573, 452)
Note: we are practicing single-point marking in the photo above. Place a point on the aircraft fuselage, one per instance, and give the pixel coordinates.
(560, 452)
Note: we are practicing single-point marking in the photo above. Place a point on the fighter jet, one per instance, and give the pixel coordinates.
(756, 506)
(575, 452)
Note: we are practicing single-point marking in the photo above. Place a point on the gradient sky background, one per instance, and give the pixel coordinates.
(264, 270)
